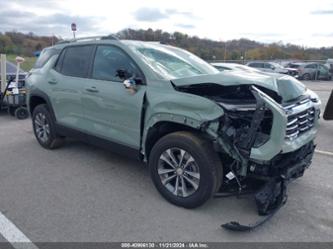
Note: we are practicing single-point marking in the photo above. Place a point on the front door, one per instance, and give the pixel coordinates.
(112, 111)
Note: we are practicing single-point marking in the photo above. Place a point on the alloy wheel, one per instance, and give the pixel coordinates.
(42, 127)
(179, 172)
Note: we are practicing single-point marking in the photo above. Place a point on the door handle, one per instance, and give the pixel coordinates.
(92, 89)
(52, 81)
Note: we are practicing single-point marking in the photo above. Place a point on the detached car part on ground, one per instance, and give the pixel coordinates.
(203, 133)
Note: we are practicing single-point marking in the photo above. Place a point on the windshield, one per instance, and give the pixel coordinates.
(170, 62)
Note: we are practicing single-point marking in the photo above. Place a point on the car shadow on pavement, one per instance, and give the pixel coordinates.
(130, 170)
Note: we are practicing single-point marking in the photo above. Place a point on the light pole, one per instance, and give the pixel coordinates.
(225, 51)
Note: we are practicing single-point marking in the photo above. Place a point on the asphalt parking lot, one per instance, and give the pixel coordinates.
(80, 193)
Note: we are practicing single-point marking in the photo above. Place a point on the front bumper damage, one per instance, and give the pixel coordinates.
(272, 193)
(266, 170)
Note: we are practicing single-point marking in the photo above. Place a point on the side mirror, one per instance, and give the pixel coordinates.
(132, 82)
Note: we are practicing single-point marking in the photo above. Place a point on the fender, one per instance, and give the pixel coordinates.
(210, 127)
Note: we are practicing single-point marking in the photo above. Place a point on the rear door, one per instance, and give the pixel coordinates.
(67, 81)
(112, 111)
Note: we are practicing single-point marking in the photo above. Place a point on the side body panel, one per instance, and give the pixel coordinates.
(164, 104)
(113, 112)
(65, 94)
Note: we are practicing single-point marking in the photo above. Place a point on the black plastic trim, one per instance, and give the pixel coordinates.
(99, 142)
(41, 94)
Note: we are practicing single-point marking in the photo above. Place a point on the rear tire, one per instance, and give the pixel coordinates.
(194, 167)
(44, 128)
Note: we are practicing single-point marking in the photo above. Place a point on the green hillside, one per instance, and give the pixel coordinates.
(15, 43)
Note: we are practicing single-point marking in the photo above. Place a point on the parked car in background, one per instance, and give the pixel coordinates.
(329, 64)
(312, 71)
(272, 67)
(222, 66)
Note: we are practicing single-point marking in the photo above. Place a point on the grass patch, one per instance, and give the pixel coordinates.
(26, 65)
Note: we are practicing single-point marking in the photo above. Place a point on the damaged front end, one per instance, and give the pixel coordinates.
(265, 143)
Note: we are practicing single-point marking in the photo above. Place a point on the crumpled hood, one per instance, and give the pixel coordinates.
(285, 86)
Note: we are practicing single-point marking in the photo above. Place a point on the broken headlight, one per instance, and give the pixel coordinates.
(240, 117)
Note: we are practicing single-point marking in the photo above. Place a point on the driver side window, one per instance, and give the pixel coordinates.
(269, 66)
(108, 60)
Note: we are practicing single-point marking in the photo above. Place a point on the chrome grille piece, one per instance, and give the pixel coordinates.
(300, 123)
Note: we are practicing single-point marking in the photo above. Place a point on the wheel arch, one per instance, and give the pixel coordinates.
(38, 97)
(161, 129)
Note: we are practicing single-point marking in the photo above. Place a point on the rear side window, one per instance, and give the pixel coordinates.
(44, 57)
(75, 61)
(267, 65)
(260, 65)
(257, 65)
(294, 66)
(311, 66)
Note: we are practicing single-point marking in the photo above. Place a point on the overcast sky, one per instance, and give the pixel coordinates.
(307, 22)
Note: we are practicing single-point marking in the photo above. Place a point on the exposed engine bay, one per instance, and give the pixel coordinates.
(247, 124)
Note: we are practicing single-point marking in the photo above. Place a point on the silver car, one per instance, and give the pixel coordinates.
(223, 66)
(312, 71)
(272, 67)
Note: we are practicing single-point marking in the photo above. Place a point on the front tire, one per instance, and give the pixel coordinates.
(185, 169)
(44, 128)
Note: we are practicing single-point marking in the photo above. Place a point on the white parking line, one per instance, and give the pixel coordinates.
(326, 153)
(13, 235)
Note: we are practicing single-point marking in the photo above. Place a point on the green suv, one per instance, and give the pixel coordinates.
(201, 131)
